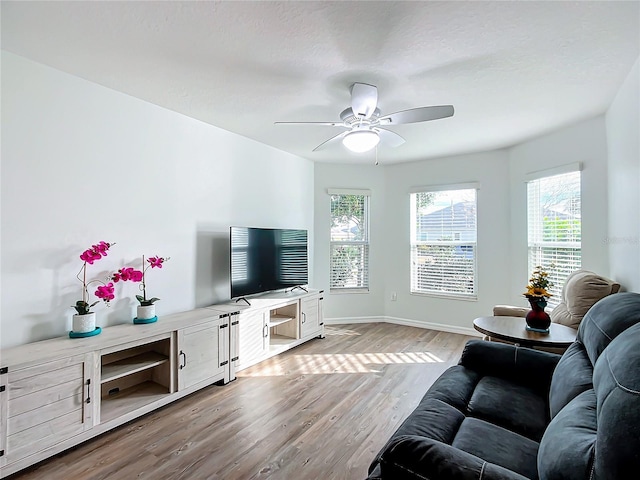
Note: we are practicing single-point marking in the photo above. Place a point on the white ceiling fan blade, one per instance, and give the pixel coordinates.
(333, 140)
(330, 124)
(392, 139)
(364, 99)
(420, 114)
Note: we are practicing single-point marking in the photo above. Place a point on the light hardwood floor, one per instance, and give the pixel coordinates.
(319, 411)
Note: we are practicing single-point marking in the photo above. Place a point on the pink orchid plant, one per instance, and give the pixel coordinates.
(105, 290)
(131, 274)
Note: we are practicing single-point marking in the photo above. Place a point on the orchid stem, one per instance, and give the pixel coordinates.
(144, 285)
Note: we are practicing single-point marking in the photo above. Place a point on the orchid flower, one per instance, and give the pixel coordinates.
(105, 292)
(127, 274)
(153, 263)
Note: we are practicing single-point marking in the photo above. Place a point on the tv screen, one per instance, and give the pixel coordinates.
(264, 259)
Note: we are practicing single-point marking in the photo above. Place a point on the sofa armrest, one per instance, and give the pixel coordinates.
(525, 366)
(411, 457)
(509, 311)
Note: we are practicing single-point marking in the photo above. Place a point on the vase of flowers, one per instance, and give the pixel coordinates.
(84, 321)
(146, 311)
(537, 293)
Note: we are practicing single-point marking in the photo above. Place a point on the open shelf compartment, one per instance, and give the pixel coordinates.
(284, 326)
(134, 377)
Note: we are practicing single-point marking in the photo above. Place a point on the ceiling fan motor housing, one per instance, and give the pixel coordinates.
(350, 119)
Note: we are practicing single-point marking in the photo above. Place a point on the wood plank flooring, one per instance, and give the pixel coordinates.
(319, 411)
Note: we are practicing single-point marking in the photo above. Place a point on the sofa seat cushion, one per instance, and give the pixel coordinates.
(498, 445)
(511, 406)
(410, 457)
(511, 418)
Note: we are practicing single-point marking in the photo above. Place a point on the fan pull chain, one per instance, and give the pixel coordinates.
(376, 154)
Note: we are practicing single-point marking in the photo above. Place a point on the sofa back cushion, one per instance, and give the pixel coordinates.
(572, 376)
(602, 323)
(567, 447)
(596, 434)
(616, 381)
(606, 320)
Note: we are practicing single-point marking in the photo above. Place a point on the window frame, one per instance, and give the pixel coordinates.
(535, 236)
(365, 243)
(455, 232)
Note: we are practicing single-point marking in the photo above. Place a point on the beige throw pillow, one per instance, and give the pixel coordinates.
(581, 290)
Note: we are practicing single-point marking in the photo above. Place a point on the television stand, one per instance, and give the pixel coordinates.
(243, 298)
(274, 323)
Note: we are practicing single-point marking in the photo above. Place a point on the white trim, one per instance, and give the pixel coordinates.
(441, 327)
(442, 188)
(349, 320)
(345, 290)
(550, 172)
(348, 191)
(471, 297)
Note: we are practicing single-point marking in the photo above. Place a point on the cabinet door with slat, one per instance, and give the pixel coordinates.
(199, 354)
(47, 404)
(310, 317)
(253, 337)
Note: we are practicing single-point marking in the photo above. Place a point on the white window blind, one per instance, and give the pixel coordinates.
(349, 241)
(554, 224)
(443, 242)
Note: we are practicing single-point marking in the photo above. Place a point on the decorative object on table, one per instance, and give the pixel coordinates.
(92, 333)
(84, 321)
(146, 311)
(537, 293)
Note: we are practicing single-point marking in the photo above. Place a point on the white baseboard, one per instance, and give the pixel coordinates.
(338, 321)
(441, 327)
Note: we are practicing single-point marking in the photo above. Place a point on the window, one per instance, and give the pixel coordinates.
(349, 240)
(554, 224)
(443, 242)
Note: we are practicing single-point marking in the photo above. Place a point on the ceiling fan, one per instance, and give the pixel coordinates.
(364, 122)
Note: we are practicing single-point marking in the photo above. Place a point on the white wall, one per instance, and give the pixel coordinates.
(82, 163)
(389, 259)
(491, 171)
(584, 142)
(365, 176)
(502, 224)
(623, 141)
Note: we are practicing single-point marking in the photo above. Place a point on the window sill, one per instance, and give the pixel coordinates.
(465, 298)
(342, 291)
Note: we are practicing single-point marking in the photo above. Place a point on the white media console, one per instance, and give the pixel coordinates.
(57, 393)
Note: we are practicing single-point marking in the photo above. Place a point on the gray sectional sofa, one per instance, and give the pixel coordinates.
(507, 412)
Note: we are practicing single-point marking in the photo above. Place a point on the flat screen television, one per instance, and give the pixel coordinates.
(265, 259)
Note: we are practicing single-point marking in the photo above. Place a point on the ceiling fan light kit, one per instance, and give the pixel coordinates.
(360, 141)
(363, 121)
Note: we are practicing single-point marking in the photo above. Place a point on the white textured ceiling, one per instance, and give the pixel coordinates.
(512, 70)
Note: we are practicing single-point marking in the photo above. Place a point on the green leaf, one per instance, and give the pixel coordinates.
(82, 307)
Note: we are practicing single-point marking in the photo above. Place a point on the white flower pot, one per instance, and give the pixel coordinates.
(146, 312)
(84, 323)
